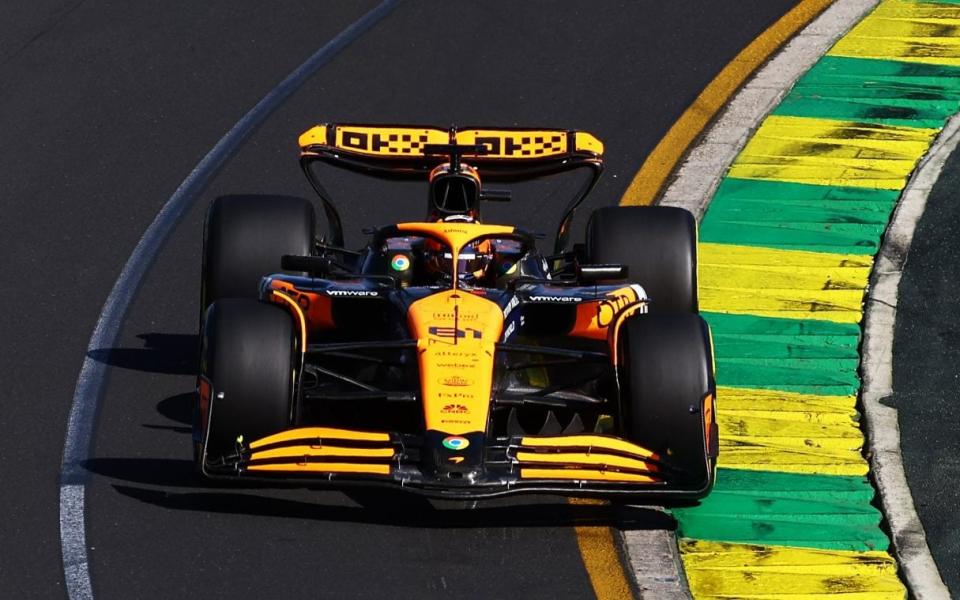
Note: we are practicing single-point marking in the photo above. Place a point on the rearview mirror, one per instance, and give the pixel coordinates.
(495, 195)
(314, 265)
(596, 273)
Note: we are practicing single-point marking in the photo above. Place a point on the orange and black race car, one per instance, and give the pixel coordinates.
(449, 356)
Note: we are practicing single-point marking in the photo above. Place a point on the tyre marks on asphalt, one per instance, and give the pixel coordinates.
(788, 243)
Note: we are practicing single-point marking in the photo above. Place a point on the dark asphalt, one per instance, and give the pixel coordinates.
(926, 373)
(104, 109)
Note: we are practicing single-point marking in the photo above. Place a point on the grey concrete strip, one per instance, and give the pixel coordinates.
(707, 163)
(655, 563)
(883, 432)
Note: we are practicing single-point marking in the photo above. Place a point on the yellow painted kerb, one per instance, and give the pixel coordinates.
(829, 152)
(718, 570)
(906, 31)
(773, 282)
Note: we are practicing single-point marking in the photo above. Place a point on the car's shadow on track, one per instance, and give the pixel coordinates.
(170, 353)
(163, 482)
(173, 484)
(178, 408)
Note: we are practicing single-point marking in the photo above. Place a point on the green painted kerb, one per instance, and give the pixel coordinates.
(782, 509)
(796, 355)
(796, 216)
(875, 91)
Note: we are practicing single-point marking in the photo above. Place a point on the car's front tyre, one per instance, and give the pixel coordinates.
(667, 389)
(247, 355)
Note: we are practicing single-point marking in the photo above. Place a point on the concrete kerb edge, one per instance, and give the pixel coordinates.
(876, 367)
(693, 186)
(653, 559)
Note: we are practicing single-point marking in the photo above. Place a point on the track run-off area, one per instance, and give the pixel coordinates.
(108, 110)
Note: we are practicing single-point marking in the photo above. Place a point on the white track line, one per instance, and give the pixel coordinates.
(90, 383)
(693, 188)
(883, 431)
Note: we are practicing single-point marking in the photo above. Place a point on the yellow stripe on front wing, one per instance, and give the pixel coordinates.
(578, 458)
(322, 451)
(581, 441)
(322, 433)
(366, 469)
(585, 475)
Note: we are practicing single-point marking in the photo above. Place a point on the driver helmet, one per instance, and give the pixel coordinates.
(474, 262)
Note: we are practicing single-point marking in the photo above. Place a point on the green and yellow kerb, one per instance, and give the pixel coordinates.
(787, 247)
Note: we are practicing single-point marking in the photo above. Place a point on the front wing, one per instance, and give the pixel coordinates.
(576, 465)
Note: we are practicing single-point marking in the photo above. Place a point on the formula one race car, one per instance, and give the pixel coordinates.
(449, 357)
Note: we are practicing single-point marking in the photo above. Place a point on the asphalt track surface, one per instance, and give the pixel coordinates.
(104, 109)
(926, 372)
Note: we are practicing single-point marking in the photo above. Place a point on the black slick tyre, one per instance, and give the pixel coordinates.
(665, 370)
(247, 354)
(658, 244)
(244, 238)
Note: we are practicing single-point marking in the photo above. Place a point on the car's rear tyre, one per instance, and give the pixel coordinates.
(244, 238)
(658, 244)
(247, 354)
(665, 370)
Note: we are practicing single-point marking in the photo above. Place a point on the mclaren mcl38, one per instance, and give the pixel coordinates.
(448, 356)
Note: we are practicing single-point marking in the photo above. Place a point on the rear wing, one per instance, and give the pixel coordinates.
(410, 151)
(404, 150)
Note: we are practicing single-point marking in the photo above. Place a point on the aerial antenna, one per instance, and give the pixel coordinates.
(454, 151)
(454, 154)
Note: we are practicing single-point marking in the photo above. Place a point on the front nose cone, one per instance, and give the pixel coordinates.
(453, 458)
